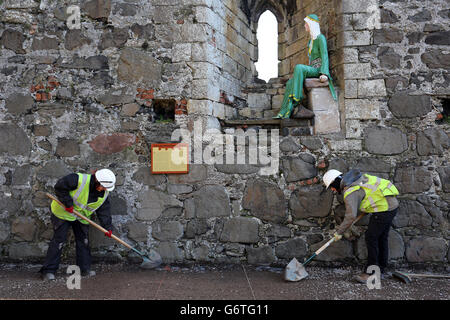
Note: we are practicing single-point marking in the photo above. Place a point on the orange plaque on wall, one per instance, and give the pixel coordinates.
(169, 158)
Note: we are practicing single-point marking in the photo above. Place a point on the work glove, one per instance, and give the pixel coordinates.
(69, 209)
(337, 236)
(108, 234)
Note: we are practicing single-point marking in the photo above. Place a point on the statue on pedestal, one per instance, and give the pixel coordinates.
(318, 68)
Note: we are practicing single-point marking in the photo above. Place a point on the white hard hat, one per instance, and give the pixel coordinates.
(329, 177)
(106, 178)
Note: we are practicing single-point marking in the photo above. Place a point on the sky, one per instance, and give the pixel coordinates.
(267, 35)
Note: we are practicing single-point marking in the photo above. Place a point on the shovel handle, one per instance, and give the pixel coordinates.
(90, 222)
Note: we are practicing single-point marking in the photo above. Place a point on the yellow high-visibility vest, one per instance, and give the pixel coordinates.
(80, 201)
(376, 190)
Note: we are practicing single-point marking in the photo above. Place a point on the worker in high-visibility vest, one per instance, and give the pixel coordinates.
(368, 194)
(85, 193)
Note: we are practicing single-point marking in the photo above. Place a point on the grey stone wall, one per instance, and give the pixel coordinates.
(76, 100)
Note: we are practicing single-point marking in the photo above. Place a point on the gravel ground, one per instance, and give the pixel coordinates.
(236, 282)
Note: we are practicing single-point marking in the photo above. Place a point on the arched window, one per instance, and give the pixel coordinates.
(267, 35)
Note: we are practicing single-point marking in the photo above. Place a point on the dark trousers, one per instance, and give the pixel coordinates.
(377, 238)
(83, 252)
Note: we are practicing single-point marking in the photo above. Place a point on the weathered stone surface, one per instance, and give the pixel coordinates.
(236, 168)
(444, 175)
(240, 229)
(40, 199)
(4, 232)
(13, 40)
(340, 250)
(438, 38)
(179, 188)
(42, 130)
(53, 169)
(295, 169)
(260, 256)
(432, 141)
(211, 201)
(75, 39)
(21, 175)
(436, 58)
(388, 58)
(403, 105)
(412, 214)
(265, 201)
(387, 36)
(19, 103)
(125, 9)
(312, 143)
(371, 165)
(138, 66)
(385, 141)
(167, 230)
(67, 148)
(138, 231)
(118, 205)
(114, 143)
(14, 141)
(24, 228)
(144, 175)
(97, 9)
(421, 16)
(196, 227)
(130, 109)
(289, 145)
(26, 251)
(310, 201)
(169, 252)
(153, 203)
(292, 248)
(46, 43)
(113, 38)
(426, 249)
(197, 173)
(94, 63)
(146, 32)
(413, 179)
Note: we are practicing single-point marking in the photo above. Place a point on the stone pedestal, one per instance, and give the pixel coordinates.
(325, 108)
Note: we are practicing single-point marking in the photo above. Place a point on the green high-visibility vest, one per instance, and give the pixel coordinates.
(80, 201)
(376, 190)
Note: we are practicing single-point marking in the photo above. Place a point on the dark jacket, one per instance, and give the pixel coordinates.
(69, 183)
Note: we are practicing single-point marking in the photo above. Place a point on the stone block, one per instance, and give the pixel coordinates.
(426, 249)
(109, 144)
(259, 101)
(13, 40)
(357, 71)
(265, 201)
(24, 228)
(169, 252)
(293, 248)
(413, 179)
(18, 103)
(196, 227)
(353, 129)
(260, 256)
(296, 169)
(97, 9)
(310, 201)
(351, 89)
(14, 141)
(356, 38)
(167, 230)
(371, 88)
(137, 66)
(385, 141)
(432, 142)
(403, 105)
(345, 145)
(326, 111)
(67, 148)
(27, 251)
(337, 251)
(411, 214)
(153, 203)
(241, 230)
(362, 109)
(444, 175)
(138, 232)
(211, 201)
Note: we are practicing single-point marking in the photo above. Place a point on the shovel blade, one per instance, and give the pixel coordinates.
(295, 271)
(153, 260)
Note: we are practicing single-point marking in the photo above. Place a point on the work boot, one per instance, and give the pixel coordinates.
(362, 278)
(48, 276)
(88, 273)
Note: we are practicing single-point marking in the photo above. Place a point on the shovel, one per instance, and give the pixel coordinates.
(151, 261)
(407, 277)
(295, 271)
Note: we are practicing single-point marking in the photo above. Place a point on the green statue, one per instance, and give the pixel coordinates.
(318, 68)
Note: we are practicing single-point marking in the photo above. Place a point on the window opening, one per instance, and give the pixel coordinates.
(267, 35)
